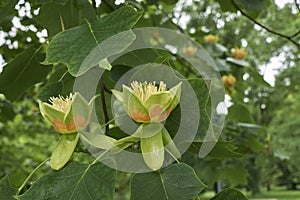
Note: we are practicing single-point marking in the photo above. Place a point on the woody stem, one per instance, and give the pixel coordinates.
(104, 106)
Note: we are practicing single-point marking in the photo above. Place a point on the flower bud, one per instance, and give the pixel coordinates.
(190, 51)
(229, 80)
(239, 53)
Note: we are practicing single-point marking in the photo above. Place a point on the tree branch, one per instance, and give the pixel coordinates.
(95, 7)
(104, 106)
(290, 38)
(297, 5)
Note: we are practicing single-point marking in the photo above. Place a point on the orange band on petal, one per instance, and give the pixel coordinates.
(78, 121)
(139, 117)
(164, 116)
(58, 125)
(158, 113)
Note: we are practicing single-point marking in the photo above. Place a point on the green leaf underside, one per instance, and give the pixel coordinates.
(75, 181)
(6, 191)
(177, 181)
(21, 73)
(74, 45)
(63, 150)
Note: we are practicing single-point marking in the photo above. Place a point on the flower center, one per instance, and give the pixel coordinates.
(61, 103)
(144, 90)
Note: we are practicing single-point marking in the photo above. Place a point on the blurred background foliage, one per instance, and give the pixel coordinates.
(259, 145)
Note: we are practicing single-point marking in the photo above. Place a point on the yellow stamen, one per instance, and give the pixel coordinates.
(61, 103)
(144, 90)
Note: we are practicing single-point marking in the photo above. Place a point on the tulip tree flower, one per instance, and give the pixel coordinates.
(149, 104)
(146, 102)
(211, 38)
(68, 115)
(239, 53)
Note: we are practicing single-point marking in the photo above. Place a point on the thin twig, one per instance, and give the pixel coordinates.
(297, 5)
(290, 38)
(107, 89)
(95, 7)
(295, 34)
(175, 24)
(30, 175)
(108, 5)
(104, 106)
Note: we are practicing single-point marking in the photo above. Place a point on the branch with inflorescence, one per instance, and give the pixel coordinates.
(288, 37)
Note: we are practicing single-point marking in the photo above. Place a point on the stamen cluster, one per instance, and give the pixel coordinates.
(144, 90)
(61, 103)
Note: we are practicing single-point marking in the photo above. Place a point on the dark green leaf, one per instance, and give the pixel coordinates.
(177, 181)
(6, 111)
(75, 181)
(226, 5)
(200, 89)
(259, 79)
(66, 15)
(6, 191)
(142, 56)
(57, 1)
(21, 73)
(230, 194)
(240, 113)
(74, 45)
(253, 5)
(222, 149)
(50, 90)
(118, 71)
(7, 9)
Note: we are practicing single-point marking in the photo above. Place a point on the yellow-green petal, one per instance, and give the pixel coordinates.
(50, 113)
(134, 106)
(79, 107)
(159, 98)
(176, 91)
(63, 151)
(153, 151)
(118, 95)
